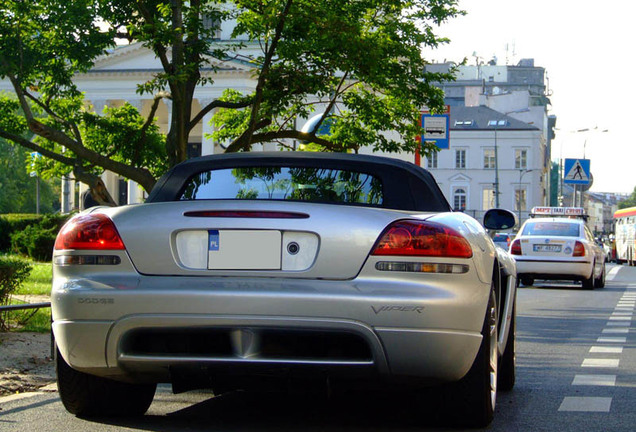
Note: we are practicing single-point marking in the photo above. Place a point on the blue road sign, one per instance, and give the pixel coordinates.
(435, 129)
(576, 171)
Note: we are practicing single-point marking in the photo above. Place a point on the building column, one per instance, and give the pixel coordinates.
(132, 187)
(207, 142)
(168, 103)
(99, 105)
(67, 195)
(134, 193)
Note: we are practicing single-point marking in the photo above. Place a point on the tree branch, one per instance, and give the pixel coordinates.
(151, 115)
(140, 175)
(244, 141)
(217, 104)
(159, 49)
(99, 192)
(294, 134)
(33, 146)
(331, 104)
(262, 77)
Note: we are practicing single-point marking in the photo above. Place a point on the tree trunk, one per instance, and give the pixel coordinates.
(97, 187)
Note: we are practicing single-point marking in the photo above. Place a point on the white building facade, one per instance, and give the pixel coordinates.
(490, 151)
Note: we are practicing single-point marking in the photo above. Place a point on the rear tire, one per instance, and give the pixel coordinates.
(506, 375)
(600, 281)
(474, 396)
(88, 395)
(589, 282)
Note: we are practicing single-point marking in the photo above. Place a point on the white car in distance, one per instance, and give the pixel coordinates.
(559, 247)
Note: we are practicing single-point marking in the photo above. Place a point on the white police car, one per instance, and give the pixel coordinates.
(556, 244)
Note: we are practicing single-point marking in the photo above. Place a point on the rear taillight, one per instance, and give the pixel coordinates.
(515, 249)
(92, 231)
(420, 238)
(579, 249)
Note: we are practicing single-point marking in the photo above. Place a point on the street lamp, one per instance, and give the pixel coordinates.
(495, 123)
(522, 172)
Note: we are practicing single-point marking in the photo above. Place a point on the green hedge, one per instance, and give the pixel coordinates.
(13, 271)
(28, 234)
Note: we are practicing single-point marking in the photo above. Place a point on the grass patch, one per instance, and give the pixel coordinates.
(39, 281)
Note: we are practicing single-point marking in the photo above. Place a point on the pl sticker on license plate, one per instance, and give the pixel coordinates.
(213, 240)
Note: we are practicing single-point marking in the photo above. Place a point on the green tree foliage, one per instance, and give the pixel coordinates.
(358, 62)
(629, 202)
(13, 271)
(18, 189)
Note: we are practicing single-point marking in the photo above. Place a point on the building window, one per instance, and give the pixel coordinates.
(460, 159)
(123, 192)
(431, 161)
(489, 158)
(487, 198)
(212, 26)
(521, 202)
(194, 149)
(521, 158)
(459, 199)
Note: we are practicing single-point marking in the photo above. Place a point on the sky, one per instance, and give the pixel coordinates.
(586, 48)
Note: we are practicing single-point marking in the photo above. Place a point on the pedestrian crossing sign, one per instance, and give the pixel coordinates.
(576, 171)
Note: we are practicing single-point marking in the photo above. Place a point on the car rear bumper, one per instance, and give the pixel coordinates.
(141, 331)
(105, 348)
(554, 269)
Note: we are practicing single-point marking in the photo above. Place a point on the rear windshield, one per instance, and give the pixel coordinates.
(561, 229)
(286, 183)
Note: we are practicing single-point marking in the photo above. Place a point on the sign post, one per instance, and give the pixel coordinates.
(577, 172)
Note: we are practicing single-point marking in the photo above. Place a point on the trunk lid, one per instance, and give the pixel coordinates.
(317, 241)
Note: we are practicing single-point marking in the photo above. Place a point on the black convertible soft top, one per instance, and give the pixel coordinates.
(405, 185)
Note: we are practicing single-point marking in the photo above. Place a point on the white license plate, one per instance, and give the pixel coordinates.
(546, 248)
(244, 250)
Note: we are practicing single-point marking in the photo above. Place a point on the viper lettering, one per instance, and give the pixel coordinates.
(397, 308)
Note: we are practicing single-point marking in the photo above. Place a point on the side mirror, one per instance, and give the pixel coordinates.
(499, 219)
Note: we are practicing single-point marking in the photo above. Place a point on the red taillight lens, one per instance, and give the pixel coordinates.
(579, 249)
(92, 231)
(515, 249)
(419, 238)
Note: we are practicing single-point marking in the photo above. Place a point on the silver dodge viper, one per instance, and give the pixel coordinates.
(251, 270)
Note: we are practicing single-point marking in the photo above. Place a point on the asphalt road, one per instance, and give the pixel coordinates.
(576, 358)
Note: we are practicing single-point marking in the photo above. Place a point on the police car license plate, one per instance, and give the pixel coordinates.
(546, 248)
